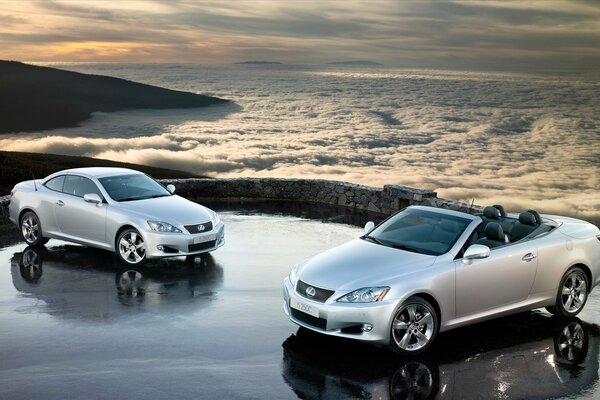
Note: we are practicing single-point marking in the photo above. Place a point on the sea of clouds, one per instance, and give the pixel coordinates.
(520, 140)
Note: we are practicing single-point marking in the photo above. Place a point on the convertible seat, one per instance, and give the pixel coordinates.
(527, 223)
(494, 236)
(497, 214)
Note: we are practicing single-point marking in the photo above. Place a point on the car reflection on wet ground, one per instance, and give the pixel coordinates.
(76, 323)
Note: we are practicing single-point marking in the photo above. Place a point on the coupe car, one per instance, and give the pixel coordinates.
(426, 270)
(115, 209)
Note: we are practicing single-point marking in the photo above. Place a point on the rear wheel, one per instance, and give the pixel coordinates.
(31, 229)
(572, 293)
(414, 327)
(131, 248)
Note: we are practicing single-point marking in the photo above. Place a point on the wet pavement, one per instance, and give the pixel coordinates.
(74, 323)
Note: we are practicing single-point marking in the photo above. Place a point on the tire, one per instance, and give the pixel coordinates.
(131, 248)
(572, 294)
(31, 229)
(413, 327)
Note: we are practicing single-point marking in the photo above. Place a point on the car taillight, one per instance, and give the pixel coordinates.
(12, 192)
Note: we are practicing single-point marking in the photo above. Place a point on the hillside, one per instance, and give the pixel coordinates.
(38, 98)
(16, 167)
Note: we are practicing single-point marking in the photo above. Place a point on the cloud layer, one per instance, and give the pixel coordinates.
(524, 141)
(537, 34)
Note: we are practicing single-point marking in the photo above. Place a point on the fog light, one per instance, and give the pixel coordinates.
(160, 247)
(367, 327)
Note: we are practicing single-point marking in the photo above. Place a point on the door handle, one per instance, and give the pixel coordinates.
(60, 203)
(528, 257)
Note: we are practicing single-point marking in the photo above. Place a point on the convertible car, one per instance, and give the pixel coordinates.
(426, 270)
(115, 209)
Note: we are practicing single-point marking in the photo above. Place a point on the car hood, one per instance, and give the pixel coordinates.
(360, 263)
(171, 209)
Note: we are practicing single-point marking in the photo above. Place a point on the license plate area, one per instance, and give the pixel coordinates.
(206, 238)
(304, 307)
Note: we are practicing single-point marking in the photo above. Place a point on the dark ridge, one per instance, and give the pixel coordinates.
(258, 62)
(355, 62)
(16, 167)
(39, 98)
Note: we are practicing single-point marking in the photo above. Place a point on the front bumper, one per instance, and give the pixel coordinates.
(183, 244)
(342, 319)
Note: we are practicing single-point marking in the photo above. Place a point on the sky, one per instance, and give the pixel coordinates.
(499, 35)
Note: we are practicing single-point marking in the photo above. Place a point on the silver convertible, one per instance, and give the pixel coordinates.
(115, 209)
(426, 270)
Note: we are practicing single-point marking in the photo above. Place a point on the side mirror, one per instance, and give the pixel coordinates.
(369, 227)
(475, 252)
(92, 198)
(171, 188)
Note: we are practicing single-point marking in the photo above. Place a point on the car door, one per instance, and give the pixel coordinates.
(503, 278)
(78, 219)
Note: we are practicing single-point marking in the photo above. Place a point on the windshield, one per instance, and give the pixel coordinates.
(133, 187)
(419, 231)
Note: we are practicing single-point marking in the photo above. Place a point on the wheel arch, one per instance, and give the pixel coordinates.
(425, 296)
(586, 270)
(120, 230)
(23, 211)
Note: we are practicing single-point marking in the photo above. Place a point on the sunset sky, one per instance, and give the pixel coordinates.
(505, 34)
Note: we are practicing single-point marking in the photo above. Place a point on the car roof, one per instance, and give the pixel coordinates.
(97, 172)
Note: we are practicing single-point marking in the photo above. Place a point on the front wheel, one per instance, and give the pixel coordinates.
(131, 248)
(414, 327)
(572, 293)
(31, 229)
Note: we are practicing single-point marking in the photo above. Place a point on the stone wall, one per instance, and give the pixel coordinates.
(383, 201)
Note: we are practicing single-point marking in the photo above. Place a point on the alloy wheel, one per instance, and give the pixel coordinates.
(413, 327)
(30, 227)
(132, 248)
(574, 292)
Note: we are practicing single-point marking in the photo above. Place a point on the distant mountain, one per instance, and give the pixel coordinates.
(38, 98)
(356, 62)
(259, 62)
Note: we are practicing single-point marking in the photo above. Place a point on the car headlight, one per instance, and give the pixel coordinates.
(216, 219)
(160, 226)
(294, 274)
(365, 295)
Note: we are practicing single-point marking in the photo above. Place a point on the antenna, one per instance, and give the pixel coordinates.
(471, 206)
(34, 185)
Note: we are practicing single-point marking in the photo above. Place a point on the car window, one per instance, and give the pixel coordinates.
(56, 183)
(80, 186)
(133, 187)
(420, 231)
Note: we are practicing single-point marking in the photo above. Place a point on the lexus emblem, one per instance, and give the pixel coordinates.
(310, 291)
(200, 227)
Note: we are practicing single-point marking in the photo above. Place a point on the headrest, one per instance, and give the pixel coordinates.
(527, 218)
(493, 231)
(538, 217)
(500, 209)
(491, 212)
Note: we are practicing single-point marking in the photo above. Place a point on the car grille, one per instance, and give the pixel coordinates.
(194, 228)
(308, 319)
(321, 295)
(201, 246)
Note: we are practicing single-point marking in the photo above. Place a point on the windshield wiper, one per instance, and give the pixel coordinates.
(158, 195)
(407, 248)
(130, 199)
(374, 240)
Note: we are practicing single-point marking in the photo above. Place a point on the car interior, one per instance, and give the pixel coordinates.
(498, 229)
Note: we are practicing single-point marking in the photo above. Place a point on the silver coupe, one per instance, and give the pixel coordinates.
(426, 270)
(115, 209)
